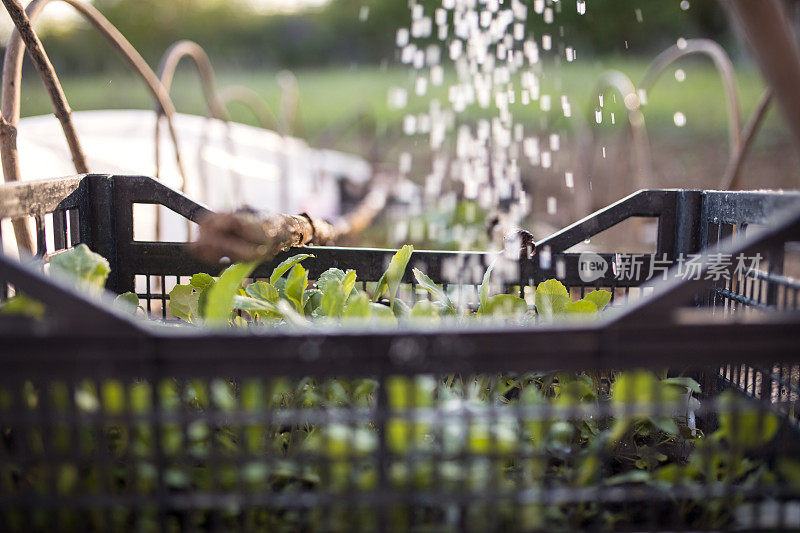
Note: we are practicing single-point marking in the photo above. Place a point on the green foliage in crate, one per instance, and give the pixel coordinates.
(521, 433)
(289, 297)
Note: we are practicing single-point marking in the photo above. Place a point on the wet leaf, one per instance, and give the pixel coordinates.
(581, 307)
(184, 302)
(296, 284)
(437, 293)
(551, 298)
(284, 267)
(22, 305)
(483, 290)
(81, 264)
(599, 298)
(391, 279)
(357, 307)
(504, 306)
(261, 290)
(220, 296)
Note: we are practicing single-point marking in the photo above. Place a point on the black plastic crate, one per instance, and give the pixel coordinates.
(114, 423)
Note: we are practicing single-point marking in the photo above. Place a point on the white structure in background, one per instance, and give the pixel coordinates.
(227, 166)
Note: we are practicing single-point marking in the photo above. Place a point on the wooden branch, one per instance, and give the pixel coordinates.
(8, 147)
(48, 74)
(12, 70)
(247, 236)
(8, 137)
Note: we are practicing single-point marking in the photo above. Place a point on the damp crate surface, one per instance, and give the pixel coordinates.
(401, 431)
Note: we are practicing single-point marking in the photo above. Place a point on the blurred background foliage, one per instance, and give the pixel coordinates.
(242, 33)
(345, 59)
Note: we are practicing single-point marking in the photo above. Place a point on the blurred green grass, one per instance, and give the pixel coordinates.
(331, 98)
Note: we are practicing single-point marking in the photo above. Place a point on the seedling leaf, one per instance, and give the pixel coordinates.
(284, 267)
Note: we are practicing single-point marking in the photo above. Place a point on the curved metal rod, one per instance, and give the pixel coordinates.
(166, 74)
(622, 84)
(12, 67)
(724, 67)
(732, 178)
(252, 101)
(190, 49)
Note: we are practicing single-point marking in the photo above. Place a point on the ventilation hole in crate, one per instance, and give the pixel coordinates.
(9, 244)
(156, 223)
(49, 233)
(634, 235)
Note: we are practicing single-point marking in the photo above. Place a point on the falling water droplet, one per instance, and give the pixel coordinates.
(682, 44)
(685, 5)
(404, 163)
(552, 205)
(402, 37)
(545, 258)
(561, 268)
(598, 115)
(680, 75)
(569, 179)
(581, 7)
(680, 119)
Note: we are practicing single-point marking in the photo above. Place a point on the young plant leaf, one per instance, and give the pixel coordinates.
(391, 279)
(400, 309)
(336, 290)
(296, 284)
(261, 290)
(127, 302)
(281, 309)
(684, 382)
(22, 305)
(437, 293)
(332, 276)
(284, 267)
(81, 264)
(201, 281)
(382, 313)
(551, 298)
(505, 306)
(313, 301)
(483, 290)
(357, 306)
(425, 310)
(184, 302)
(253, 305)
(219, 301)
(581, 307)
(599, 298)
